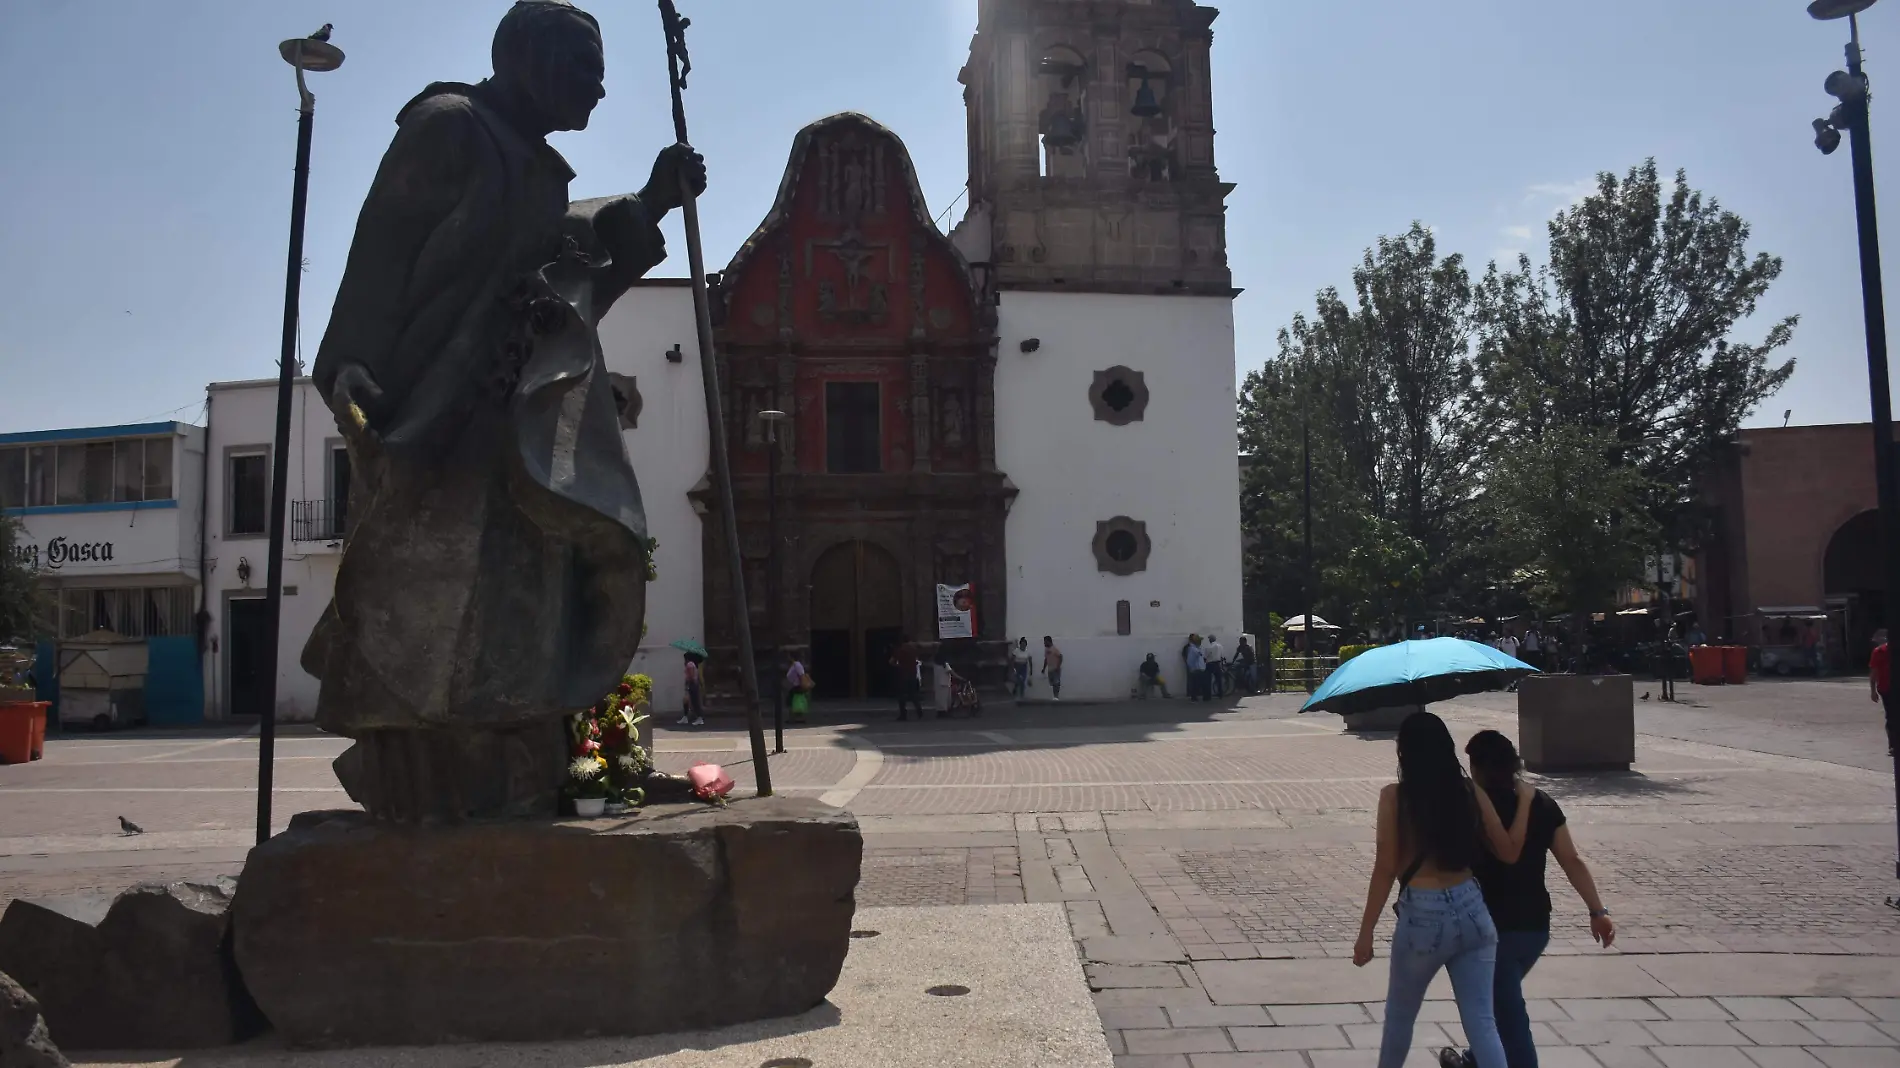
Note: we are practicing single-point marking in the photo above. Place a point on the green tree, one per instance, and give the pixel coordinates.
(1573, 513)
(1383, 386)
(1626, 335)
(22, 602)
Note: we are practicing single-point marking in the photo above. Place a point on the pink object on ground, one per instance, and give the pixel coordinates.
(709, 781)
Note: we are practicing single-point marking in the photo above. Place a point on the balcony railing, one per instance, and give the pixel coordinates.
(318, 520)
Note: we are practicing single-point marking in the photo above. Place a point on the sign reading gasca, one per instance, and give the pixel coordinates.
(61, 551)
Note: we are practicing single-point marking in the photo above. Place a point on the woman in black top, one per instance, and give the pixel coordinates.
(1515, 894)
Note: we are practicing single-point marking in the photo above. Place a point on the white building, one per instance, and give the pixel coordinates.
(241, 423)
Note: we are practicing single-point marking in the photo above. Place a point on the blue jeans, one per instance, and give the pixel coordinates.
(1019, 679)
(1517, 953)
(1449, 929)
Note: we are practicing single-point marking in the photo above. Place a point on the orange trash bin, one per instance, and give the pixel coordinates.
(22, 731)
(1735, 663)
(1705, 665)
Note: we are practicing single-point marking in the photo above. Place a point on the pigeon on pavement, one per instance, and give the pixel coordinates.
(129, 827)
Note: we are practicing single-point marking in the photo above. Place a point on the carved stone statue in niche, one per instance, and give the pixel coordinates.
(1151, 150)
(754, 401)
(827, 301)
(880, 304)
(952, 405)
(850, 179)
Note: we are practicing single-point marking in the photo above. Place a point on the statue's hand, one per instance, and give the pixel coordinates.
(358, 398)
(662, 192)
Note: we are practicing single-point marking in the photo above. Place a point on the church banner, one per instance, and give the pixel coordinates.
(956, 611)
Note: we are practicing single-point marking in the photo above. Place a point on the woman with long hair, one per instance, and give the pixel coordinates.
(1515, 895)
(1433, 828)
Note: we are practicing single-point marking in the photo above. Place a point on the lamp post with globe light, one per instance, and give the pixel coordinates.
(314, 53)
(1849, 116)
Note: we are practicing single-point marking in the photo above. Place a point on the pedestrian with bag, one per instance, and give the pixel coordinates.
(798, 685)
(1433, 827)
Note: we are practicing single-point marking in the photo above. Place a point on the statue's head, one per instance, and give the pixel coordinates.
(548, 54)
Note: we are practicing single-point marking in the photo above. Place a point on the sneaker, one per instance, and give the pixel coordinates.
(684, 720)
(1454, 1058)
(699, 722)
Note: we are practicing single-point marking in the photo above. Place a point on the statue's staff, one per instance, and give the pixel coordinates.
(678, 66)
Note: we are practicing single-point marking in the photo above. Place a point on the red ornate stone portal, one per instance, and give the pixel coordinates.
(850, 311)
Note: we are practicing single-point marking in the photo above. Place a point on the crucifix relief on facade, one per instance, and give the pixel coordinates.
(863, 299)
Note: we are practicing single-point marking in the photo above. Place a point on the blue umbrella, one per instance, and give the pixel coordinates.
(1415, 672)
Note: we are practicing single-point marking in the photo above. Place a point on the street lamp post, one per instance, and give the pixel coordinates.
(772, 418)
(1306, 507)
(1851, 89)
(312, 53)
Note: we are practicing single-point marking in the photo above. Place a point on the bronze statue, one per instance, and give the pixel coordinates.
(494, 575)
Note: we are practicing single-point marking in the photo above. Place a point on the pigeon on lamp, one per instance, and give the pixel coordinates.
(322, 34)
(129, 827)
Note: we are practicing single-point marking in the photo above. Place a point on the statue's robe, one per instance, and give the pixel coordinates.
(495, 568)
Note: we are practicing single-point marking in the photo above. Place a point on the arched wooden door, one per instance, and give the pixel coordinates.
(857, 615)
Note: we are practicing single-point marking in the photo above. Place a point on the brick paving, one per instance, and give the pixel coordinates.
(1213, 866)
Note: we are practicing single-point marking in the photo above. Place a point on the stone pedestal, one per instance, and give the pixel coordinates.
(350, 931)
(1569, 722)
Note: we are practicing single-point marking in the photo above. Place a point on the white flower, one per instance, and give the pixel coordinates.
(584, 768)
(629, 761)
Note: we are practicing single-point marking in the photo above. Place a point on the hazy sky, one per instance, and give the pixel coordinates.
(145, 181)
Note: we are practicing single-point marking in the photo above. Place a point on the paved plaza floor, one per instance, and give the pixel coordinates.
(1212, 862)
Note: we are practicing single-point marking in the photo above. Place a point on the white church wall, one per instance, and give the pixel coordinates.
(1176, 469)
(668, 446)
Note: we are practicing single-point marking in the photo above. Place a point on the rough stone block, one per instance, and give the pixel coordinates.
(24, 1039)
(150, 969)
(355, 932)
(1576, 722)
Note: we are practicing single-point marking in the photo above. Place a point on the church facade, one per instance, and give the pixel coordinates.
(1039, 405)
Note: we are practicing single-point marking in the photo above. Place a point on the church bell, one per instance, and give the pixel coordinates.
(1146, 106)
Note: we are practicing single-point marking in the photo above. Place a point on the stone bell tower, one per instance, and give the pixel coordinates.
(1091, 144)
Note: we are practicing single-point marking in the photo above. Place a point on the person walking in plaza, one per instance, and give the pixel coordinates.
(1216, 665)
(1150, 678)
(1052, 667)
(1879, 675)
(1531, 652)
(694, 713)
(1433, 827)
(798, 688)
(1196, 669)
(910, 679)
(1021, 665)
(1516, 897)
